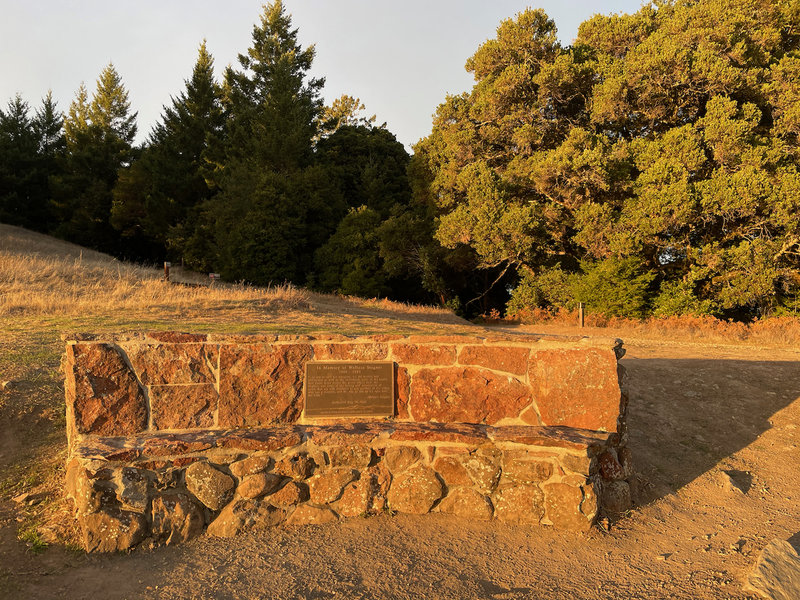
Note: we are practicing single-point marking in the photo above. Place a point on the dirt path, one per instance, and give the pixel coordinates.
(715, 433)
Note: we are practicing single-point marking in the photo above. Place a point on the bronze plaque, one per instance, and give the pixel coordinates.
(349, 389)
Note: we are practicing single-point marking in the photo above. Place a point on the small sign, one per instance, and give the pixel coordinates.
(349, 389)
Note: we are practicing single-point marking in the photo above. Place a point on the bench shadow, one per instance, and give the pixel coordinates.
(686, 416)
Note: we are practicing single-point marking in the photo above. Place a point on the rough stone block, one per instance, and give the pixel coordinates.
(183, 406)
(415, 491)
(467, 503)
(616, 497)
(510, 359)
(484, 472)
(399, 458)
(297, 466)
(466, 395)
(576, 387)
(103, 396)
(368, 351)
(519, 504)
(160, 364)
(291, 494)
(250, 465)
(452, 471)
(261, 384)
(417, 354)
(113, 530)
(175, 518)
(563, 506)
(306, 514)
(211, 486)
(259, 484)
(327, 487)
(356, 456)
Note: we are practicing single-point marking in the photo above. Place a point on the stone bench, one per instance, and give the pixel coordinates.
(172, 434)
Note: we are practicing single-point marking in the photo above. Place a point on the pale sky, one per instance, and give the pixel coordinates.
(399, 58)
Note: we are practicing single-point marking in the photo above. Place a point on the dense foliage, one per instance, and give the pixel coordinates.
(651, 168)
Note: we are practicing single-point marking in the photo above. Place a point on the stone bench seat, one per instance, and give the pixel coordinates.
(172, 435)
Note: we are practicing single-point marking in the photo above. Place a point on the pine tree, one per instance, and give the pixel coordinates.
(19, 204)
(99, 141)
(157, 199)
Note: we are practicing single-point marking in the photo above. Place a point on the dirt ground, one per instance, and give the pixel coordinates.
(714, 431)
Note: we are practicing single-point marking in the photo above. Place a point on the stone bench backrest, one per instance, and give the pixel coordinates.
(172, 381)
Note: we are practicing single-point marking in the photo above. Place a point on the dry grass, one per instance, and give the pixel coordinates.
(773, 331)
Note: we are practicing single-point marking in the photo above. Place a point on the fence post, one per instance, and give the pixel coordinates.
(167, 265)
(580, 314)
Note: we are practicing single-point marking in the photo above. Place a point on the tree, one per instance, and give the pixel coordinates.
(157, 199)
(99, 141)
(19, 204)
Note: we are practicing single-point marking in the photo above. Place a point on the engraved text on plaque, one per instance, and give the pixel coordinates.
(349, 389)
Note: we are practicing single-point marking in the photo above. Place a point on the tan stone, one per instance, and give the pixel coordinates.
(327, 486)
(415, 491)
(290, 494)
(776, 573)
(519, 504)
(212, 487)
(259, 484)
(251, 465)
(583, 464)
(356, 456)
(511, 359)
(245, 514)
(183, 406)
(590, 505)
(451, 469)
(416, 354)
(113, 530)
(484, 472)
(525, 469)
(402, 387)
(175, 518)
(277, 437)
(466, 395)
(261, 384)
(297, 466)
(616, 497)
(468, 503)
(176, 337)
(399, 458)
(576, 387)
(364, 351)
(306, 514)
(356, 498)
(563, 506)
(160, 364)
(103, 396)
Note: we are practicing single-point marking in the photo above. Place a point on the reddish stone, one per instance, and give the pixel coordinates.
(415, 491)
(519, 504)
(530, 416)
(345, 434)
(386, 337)
(327, 487)
(169, 445)
(356, 497)
(297, 466)
(399, 458)
(109, 449)
(466, 395)
(590, 442)
(183, 406)
(402, 390)
(103, 396)
(511, 359)
(462, 433)
(576, 387)
(269, 439)
(467, 503)
(451, 469)
(176, 337)
(609, 466)
(289, 495)
(590, 504)
(413, 354)
(367, 351)
(175, 518)
(305, 514)
(525, 467)
(250, 465)
(563, 506)
(444, 339)
(164, 364)
(261, 385)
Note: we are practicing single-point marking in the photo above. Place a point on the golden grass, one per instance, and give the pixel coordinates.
(771, 331)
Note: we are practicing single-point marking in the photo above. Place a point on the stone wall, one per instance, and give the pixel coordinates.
(171, 434)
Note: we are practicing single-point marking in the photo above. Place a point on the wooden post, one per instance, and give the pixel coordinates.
(580, 314)
(167, 265)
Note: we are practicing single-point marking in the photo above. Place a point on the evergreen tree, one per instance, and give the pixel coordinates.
(158, 198)
(99, 141)
(20, 202)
